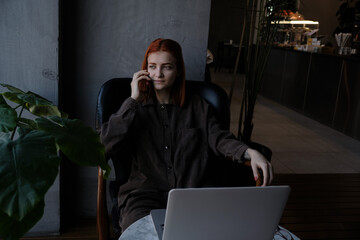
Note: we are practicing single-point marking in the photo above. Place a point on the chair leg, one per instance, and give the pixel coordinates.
(102, 218)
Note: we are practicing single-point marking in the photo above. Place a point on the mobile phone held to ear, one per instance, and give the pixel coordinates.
(144, 86)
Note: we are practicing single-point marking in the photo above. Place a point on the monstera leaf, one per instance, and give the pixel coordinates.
(73, 132)
(8, 116)
(38, 105)
(33, 102)
(13, 229)
(12, 93)
(28, 168)
(29, 160)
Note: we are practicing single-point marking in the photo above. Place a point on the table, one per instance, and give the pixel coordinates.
(143, 229)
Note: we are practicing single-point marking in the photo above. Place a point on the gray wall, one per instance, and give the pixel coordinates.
(29, 60)
(111, 39)
(28, 45)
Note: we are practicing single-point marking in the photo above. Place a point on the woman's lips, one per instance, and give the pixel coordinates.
(157, 81)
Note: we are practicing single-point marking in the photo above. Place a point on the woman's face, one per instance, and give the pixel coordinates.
(162, 69)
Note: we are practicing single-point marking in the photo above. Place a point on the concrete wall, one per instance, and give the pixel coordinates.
(28, 45)
(29, 61)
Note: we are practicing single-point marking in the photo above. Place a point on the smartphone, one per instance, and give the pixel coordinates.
(145, 86)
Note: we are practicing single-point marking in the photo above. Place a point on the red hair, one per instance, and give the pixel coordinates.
(174, 48)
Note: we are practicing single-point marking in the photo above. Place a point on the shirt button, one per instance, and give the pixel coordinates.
(169, 168)
(166, 126)
(166, 147)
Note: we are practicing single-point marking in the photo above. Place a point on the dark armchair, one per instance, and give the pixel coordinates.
(110, 97)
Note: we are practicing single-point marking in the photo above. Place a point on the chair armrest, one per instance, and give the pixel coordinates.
(102, 218)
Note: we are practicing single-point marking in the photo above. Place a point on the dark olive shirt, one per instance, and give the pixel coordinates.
(169, 145)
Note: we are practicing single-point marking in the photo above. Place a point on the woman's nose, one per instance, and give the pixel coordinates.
(159, 72)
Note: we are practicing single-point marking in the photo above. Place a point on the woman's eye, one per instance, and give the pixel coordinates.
(152, 66)
(168, 67)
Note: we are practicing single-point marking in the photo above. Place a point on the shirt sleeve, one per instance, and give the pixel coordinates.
(116, 129)
(223, 142)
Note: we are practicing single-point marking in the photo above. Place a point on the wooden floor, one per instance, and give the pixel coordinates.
(320, 206)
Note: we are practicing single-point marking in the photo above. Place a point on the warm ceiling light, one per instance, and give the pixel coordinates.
(306, 22)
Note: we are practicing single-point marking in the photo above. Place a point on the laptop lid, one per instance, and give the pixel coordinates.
(222, 213)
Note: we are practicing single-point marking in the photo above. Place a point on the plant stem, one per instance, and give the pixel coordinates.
(237, 59)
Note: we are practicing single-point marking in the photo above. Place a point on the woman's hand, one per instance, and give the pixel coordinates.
(141, 75)
(258, 161)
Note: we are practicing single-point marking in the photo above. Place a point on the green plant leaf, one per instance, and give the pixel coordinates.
(11, 229)
(35, 103)
(27, 123)
(80, 143)
(13, 97)
(44, 110)
(64, 114)
(38, 105)
(28, 168)
(34, 99)
(8, 115)
(13, 93)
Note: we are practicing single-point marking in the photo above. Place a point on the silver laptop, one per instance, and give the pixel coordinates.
(221, 213)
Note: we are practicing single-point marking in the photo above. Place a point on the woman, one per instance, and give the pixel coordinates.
(169, 135)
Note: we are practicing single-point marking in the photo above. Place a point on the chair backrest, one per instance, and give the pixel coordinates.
(113, 93)
(110, 97)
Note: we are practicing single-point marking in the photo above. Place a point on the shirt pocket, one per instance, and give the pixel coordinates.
(192, 143)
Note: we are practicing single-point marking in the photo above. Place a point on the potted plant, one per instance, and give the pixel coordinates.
(30, 156)
(260, 24)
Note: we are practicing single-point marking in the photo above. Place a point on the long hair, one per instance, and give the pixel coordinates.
(174, 48)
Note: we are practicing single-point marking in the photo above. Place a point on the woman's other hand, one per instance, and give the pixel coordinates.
(139, 76)
(259, 162)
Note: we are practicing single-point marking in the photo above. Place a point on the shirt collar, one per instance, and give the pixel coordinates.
(152, 101)
(149, 102)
